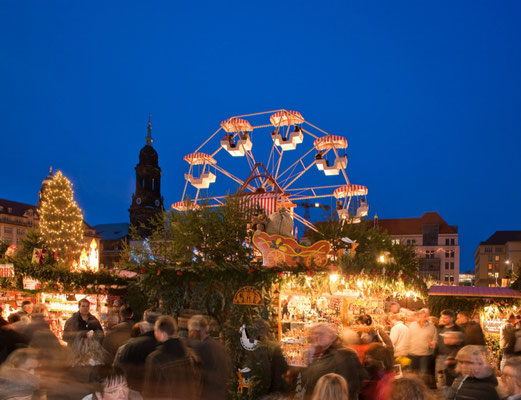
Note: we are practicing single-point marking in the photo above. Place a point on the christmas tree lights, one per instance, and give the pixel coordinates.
(61, 220)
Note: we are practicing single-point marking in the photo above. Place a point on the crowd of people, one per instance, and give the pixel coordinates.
(411, 356)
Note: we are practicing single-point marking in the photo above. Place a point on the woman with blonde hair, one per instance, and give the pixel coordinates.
(330, 387)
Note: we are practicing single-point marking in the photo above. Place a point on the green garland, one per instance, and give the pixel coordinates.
(468, 304)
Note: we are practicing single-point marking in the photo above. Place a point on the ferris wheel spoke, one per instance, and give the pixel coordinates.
(304, 221)
(309, 133)
(292, 166)
(341, 169)
(298, 176)
(207, 140)
(232, 177)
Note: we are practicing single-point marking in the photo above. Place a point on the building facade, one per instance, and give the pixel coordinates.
(113, 237)
(16, 219)
(435, 243)
(498, 259)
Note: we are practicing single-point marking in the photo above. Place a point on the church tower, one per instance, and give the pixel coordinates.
(45, 183)
(147, 202)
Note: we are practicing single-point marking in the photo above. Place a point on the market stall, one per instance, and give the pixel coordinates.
(487, 305)
(332, 299)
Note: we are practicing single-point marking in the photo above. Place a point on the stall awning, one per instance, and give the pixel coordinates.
(473, 291)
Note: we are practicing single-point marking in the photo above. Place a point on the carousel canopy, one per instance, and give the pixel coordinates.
(473, 291)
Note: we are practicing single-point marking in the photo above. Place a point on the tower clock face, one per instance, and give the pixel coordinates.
(138, 200)
(156, 203)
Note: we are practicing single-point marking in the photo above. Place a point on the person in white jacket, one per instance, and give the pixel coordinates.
(399, 335)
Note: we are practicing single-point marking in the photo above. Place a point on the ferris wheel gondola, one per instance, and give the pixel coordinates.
(276, 182)
(350, 210)
(325, 144)
(205, 177)
(237, 140)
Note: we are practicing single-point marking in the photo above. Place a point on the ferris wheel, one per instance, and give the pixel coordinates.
(274, 159)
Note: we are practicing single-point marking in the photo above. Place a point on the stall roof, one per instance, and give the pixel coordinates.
(473, 291)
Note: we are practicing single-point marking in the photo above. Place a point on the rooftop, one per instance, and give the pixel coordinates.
(114, 231)
(502, 237)
(414, 226)
(18, 209)
(473, 291)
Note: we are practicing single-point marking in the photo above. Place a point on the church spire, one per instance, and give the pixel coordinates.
(149, 131)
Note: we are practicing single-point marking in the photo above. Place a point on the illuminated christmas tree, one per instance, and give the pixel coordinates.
(61, 220)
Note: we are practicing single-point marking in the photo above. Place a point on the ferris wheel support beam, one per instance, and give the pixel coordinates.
(304, 221)
(281, 154)
(342, 169)
(259, 113)
(292, 166)
(207, 140)
(299, 175)
(232, 177)
(186, 182)
(317, 128)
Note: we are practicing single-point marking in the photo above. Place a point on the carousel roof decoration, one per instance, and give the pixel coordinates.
(277, 172)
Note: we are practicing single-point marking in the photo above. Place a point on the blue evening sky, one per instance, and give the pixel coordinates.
(428, 95)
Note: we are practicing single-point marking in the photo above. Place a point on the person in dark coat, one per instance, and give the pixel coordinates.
(476, 380)
(82, 323)
(215, 363)
(10, 340)
(473, 332)
(326, 356)
(447, 324)
(170, 370)
(131, 356)
(121, 332)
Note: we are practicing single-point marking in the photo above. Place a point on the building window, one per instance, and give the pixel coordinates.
(20, 232)
(446, 265)
(499, 250)
(452, 254)
(490, 258)
(408, 242)
(496, 258)
(414, 241)
(496, 267)
(446, 242)
(452, 278)
(446, 277)
(447, 254)
(488, 249)
(8, 230)
(453, 242)
(489, 266)
(451, 265)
